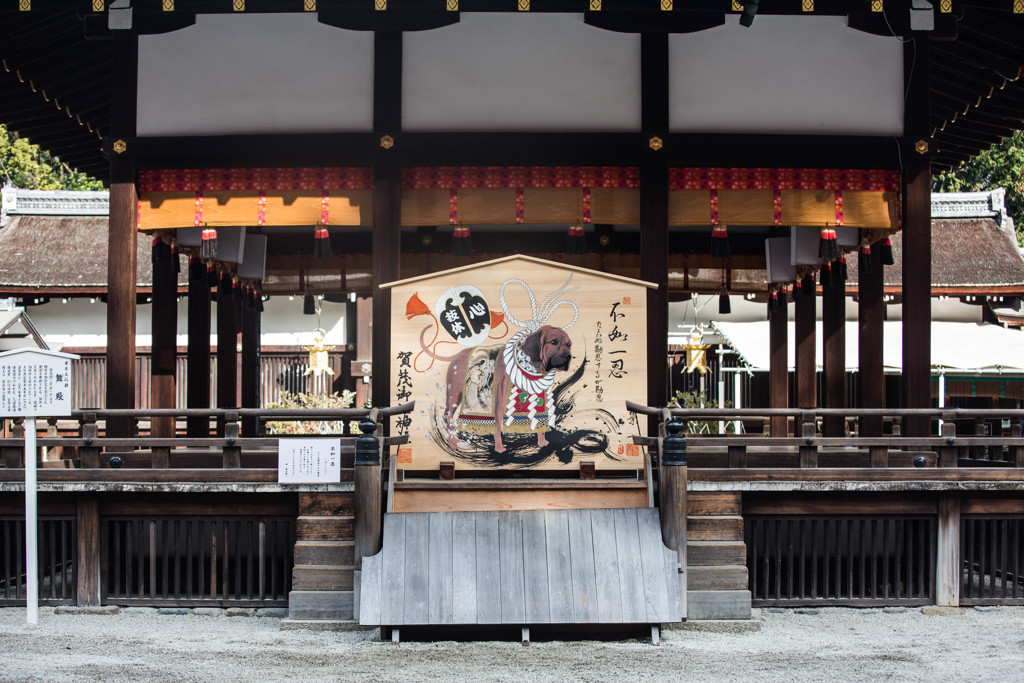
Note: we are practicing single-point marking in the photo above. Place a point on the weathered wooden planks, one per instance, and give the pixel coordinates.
(521, 567)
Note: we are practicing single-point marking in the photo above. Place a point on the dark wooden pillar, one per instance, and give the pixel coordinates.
(198, 371)
(806, 365)
(917, 228)
(654, 214)
(387, 206)
(251, 329)
(870, 316)
(778, 367)
(165, 345)
(833, 347)
(387, 212)
(227, 350)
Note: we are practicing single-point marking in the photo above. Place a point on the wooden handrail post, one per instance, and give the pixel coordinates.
(87, 567)
(948, 453)
(367, 498)
(809, 450)
(947, 560)
(232, 456)
(14, 457)
(1016, 452)
(89, 456)
(672, 499)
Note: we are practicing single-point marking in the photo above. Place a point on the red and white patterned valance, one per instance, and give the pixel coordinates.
(783, 179)
(497, 177)
(328, 178)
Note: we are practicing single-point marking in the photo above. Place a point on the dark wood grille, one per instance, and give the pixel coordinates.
(991, 560)
(847, 560)
(57, 548)
(196, 561)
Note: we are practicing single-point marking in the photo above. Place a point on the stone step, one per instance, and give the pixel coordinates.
(701, 604)
(326, 605)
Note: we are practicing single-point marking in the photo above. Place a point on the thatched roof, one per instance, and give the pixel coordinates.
(61, 255)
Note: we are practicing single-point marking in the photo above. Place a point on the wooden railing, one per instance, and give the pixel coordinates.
(967, 438)
(123, 457)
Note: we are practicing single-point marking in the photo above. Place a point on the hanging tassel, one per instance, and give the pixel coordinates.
(773, 301)
(209, 245)
(259, 302)
(309, 304)
(825, 275)
(576, 243)
(176, 256)
(160, 249)
(250, 298)
(322, 242)
(885, 252)
(224, 286)
(724, 306)
(864, 257)
(236, 291)
(828, 244)
(782, 296)
(211, 275)
(720, 242)
(798, 290)
(843, 272)
(461, 245)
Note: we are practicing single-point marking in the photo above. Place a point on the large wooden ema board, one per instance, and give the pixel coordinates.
(519, 363)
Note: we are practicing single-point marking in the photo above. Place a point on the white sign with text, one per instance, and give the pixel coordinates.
(35, 382)
(308, 461)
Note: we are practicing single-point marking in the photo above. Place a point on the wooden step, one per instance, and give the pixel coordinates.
(319, 577)
(326, 504)
(717, 578)
(714, 553)
(712, 503)
(334, 553)
(335, 528)
(715, 528)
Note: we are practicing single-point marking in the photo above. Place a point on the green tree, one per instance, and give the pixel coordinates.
(29, 167)
(1001, 165)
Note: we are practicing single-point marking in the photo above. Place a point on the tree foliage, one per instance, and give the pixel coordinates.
(1000, 166)
(27, 166)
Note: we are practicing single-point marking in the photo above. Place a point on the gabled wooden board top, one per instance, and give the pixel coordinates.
(521, 567)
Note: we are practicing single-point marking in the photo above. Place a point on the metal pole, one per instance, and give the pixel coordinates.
(737, 383)
(31, 513)
(942, 396)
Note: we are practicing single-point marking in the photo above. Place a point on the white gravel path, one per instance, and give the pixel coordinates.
(827, 644)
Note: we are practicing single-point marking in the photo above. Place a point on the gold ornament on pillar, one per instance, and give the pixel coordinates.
(319, 362)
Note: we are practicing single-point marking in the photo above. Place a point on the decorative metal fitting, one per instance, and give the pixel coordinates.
(120, 146)
(387, 142)
(656, 143)
(921, 146)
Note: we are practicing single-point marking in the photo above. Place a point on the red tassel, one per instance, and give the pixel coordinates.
(828, 245)
(885, 247)
(461, 245)
(864, 257)
(720, 242)
(322, 242)
(576, 242)
(209, 245)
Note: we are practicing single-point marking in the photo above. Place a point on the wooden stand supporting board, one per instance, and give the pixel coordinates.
(521, 567)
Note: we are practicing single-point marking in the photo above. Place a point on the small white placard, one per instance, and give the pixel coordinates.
(35, 382)
(308, 461)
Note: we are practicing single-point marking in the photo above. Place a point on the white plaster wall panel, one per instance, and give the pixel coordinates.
(255, 73)
(802, 75)
(520, 72)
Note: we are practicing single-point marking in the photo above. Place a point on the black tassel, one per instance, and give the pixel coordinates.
(576, 242)
(724, 306)
(250, 298)
(864, 258)
(308, 304)
(461, 245)
(160, 250)
(322, 242)
(843, 272)
(798, 290)
(782, 297)
(259, 302)
(828, 244)
(209, 244)
(825, 275)
(773, 301)
(236, 292)
(886, 252)
(211, 275)
(176, 257)
(720, 242)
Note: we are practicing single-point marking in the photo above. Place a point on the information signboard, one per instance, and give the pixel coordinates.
(308, 461)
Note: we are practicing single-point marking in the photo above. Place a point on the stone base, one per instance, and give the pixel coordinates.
(705, 605)
(320, 605)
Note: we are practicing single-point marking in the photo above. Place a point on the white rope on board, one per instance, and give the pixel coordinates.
(547, 307)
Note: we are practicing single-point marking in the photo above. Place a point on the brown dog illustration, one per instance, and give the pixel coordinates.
(526, 364)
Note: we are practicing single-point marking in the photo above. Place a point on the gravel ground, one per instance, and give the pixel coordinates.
(782, 645)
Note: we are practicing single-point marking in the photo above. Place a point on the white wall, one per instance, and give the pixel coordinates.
(786, 74)
(255, 73)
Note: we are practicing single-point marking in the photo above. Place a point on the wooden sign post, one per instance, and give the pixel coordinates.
(34, 382)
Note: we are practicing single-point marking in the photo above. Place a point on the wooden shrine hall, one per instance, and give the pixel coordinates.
(520, 188)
